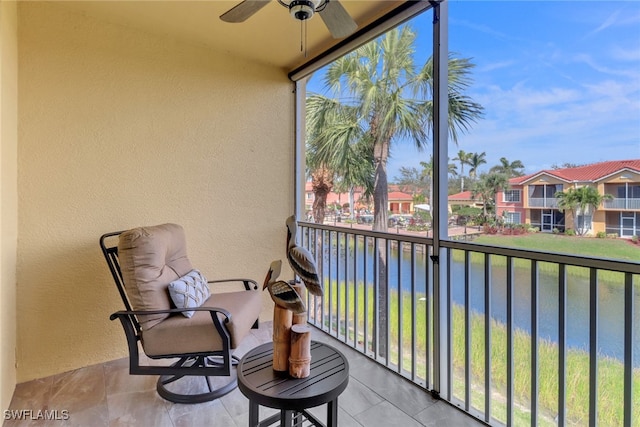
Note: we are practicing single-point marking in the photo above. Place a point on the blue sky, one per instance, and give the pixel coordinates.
(559, 80)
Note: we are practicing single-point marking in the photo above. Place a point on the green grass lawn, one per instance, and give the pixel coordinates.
(586, 246)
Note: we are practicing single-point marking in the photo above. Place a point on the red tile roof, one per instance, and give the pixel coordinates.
(593, 172)
(465, 195)
(397, 195)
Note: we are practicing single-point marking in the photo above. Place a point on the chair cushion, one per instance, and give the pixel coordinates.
(197, 334)
(189, 291)
(151, 258)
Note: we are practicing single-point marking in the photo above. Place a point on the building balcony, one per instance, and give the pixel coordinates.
(543, 202)
(632, 204)
(477, 335)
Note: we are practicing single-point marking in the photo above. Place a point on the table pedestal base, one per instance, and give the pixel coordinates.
(289, 418)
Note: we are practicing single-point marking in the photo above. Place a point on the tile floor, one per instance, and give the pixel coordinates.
(106, 395)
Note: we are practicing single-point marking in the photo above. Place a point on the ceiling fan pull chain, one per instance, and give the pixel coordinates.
(305, 37)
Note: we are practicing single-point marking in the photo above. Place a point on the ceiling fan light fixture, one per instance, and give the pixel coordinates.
(303, 9)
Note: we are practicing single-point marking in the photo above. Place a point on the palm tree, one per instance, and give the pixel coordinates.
(321, 185)
(510, 169)
(463, 157)
(336, 151)
(381, 88)
(581, 202)
(486, 188)
(475, 161)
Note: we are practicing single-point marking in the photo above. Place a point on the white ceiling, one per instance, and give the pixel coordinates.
(271, 36)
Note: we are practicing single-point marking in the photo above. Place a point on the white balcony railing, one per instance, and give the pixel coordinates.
(543, 202)
(623, 204)
(512, 337)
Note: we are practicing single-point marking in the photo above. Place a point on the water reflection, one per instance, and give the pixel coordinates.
(357, 264)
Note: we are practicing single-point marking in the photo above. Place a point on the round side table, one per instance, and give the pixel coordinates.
(263, 386)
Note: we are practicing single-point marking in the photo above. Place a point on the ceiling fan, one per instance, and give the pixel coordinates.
(335, 17)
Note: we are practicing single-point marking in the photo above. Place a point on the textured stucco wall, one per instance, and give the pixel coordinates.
(120, 128)
(8, 197)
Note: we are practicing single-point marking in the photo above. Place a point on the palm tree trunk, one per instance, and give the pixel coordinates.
(322, 184)
(352, 204)
(380, 223)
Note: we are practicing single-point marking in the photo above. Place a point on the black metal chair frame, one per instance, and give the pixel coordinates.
(209, 364)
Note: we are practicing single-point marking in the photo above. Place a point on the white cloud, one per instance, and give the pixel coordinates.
(632, 54)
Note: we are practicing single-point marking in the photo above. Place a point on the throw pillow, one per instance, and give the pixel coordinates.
(189, 291)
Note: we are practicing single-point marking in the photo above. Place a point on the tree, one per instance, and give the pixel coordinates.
(485, 189)
(463, 157)
(475, 161)
(384, 92)
(510, 169)
(336, 152)
(321, 185)
(581, 202)
(566, 165)
(411, 181)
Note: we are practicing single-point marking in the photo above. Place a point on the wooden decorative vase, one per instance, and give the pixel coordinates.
(300, 359)
(282, 320)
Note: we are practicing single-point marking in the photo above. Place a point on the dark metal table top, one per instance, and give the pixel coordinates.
(261, 384)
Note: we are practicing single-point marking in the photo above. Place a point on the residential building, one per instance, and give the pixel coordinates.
(399, 202)
(531, 199)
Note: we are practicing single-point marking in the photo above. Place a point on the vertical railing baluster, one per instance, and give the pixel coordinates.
(428, 295)
(400, 308)
(330, 293)
(510, 373)
(593, 347)
(467, 331)
(628, 350)
(347, 285)
(387, 302)
(338, 286)
(414, 310)
(376, 303)
(562, 343)
(534, 343)
(487, 338)
(356, 293)
(365, 325)
(448, 328)
(326, 283)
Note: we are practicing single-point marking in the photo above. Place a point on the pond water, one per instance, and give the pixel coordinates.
(610, 296)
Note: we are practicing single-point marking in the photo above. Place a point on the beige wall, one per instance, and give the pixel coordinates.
(8, 198)
(120, 128)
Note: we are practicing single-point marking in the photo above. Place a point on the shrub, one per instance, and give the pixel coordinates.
(490, 229)
(612, 235)
(634, 239)
(570, 232)
(601, 235)
(555, 230)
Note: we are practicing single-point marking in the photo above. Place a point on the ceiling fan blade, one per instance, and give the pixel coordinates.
(243, 11)
(337, 20)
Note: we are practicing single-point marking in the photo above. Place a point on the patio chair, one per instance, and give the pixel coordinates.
(160, 288)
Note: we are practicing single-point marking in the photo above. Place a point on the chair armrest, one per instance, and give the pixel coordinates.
(212, 310)
(248, 283)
